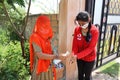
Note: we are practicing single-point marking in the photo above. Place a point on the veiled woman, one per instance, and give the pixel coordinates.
(41, 55)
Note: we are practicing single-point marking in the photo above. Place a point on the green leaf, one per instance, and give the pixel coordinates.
(1, 1)
(19, 2)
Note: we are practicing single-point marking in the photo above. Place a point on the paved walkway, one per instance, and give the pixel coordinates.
(97, 75)
(102, 76)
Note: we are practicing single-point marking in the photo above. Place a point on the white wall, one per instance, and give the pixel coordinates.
(98, 11)
(113, 19)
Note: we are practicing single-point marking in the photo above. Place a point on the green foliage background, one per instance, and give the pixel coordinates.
(12, 65)
(11, 61)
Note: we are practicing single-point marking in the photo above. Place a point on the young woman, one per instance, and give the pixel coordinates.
(41, 55)
(84, 45)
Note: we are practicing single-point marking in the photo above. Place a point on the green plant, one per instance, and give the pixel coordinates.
(12, 63)
(111, 68)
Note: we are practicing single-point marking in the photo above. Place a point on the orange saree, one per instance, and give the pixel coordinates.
(42, 32)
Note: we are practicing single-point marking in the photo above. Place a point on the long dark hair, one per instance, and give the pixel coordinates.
(84, 16)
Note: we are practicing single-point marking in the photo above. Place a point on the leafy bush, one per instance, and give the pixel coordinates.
(12, 64)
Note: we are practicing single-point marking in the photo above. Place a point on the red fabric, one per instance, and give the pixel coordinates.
(42, 31)
(85, 50)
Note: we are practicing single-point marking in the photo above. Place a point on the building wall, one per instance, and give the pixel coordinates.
(68, 11)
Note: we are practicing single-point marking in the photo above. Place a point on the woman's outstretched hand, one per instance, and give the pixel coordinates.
(72, 59)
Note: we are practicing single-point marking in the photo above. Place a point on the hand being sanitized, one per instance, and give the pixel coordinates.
(66, 54)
